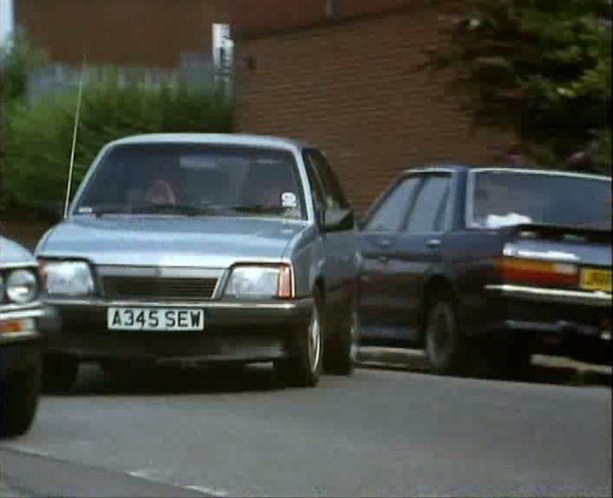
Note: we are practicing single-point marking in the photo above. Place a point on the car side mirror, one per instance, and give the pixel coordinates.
(336, 220)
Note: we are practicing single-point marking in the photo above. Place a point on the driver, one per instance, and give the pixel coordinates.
(160, 189)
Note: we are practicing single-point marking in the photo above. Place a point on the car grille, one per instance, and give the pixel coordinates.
(158, 288)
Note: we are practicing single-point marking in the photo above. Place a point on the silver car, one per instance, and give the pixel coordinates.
(20, 341)
(203, 248)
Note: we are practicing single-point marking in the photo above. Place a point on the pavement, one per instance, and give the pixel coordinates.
(386, 432)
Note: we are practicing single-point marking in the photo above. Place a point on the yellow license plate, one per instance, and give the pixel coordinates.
(596, 280)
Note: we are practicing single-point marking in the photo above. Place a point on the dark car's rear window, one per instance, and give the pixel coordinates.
(507, 197)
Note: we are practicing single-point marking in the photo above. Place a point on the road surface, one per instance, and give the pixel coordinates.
(379, 433)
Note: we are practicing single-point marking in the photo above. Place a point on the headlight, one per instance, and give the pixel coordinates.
(21, 286)
(68, 278)
(265, 282)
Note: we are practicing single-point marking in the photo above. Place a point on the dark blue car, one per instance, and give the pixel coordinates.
(488, 262)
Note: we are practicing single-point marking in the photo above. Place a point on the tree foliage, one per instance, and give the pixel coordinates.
(539, 68)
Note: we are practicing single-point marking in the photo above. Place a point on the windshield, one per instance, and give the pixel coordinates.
(191, 179)
(509, 198)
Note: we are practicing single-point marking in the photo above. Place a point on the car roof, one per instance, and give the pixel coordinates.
(212, 138)
(456, 168)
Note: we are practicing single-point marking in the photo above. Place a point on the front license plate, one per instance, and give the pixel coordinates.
(162, 319)
(596, 280)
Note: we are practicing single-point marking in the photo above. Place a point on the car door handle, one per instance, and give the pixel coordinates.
(385, 243)
(434, 243)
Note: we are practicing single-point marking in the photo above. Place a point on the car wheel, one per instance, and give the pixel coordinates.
(60, 373)
(447, 349)
(304, 365)
(19, 393)
(342, 349)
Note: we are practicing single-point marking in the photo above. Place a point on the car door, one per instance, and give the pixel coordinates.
(417, 250)
(340, 267)
(377, 240)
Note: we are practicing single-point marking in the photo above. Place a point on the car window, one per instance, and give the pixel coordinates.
(391, 213)
(316, 187)
(429, 210)
(235, 179)
(334, 196)
(502, 198)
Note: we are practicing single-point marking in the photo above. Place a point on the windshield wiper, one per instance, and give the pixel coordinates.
(182, 209)
(256, 209)
(103, 211)
(189, 210)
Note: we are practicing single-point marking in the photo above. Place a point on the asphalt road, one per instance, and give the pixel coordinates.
(379, 433)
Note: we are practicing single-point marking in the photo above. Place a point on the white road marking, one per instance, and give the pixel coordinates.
(146, 473)
(155, 475)
(208, 491)
(25, 449)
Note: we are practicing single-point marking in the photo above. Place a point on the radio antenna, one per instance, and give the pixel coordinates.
(74, 138)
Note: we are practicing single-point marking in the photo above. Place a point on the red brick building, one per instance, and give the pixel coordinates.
(153, 33)
(343, 74)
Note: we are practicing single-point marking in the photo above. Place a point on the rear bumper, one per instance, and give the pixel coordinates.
(570, 323)
(552, 296)
(234, 331)
(20, 349)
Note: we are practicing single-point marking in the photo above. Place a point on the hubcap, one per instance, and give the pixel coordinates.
(314, 340)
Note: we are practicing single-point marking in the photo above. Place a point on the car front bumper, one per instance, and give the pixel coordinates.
(233, 331)
(570, 323)
(20, 339)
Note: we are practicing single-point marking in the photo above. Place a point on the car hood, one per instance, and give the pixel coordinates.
(12, 253)
(213, 242)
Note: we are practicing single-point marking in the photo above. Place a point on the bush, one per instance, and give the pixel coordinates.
(18, 56)
(38, 138)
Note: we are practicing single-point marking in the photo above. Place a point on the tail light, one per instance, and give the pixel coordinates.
(285, 287)
(536, 272)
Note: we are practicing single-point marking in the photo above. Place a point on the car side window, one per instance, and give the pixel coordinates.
(429, 211)
(334, 196)
(315, 183)
(390, 215)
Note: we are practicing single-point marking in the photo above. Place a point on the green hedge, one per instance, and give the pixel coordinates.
(38, 137)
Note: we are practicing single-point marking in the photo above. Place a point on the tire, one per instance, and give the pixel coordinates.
(19, 395)
(341, 349)
(60, 373)
(304, 366)
(447, 349)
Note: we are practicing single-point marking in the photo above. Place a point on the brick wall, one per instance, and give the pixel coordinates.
(353, 89)
(123, 32)
(256, 16)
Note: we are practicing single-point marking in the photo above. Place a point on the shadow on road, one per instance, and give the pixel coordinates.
(261, 378)
(175, 380)
(544, 370)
